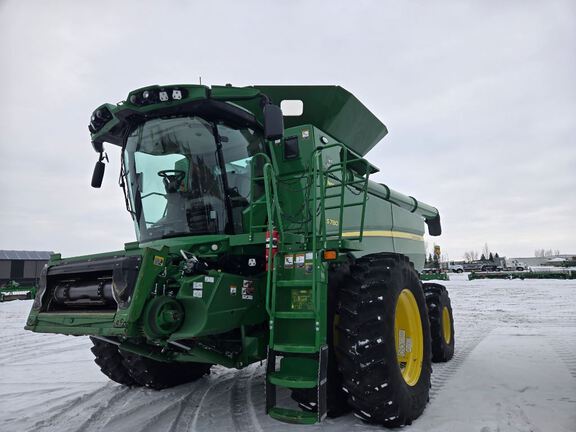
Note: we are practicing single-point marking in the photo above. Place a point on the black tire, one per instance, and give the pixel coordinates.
(108, 358)
(336, 397)
(437, 299)
(366, 348)
(459, 271)
(160, 375)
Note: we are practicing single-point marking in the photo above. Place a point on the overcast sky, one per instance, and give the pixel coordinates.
(479, 98)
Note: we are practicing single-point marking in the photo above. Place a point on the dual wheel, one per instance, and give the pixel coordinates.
(388, 327)
(133, 370)
(163, 315)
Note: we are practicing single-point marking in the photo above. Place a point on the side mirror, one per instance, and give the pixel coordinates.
(273, 122)
(98, 174)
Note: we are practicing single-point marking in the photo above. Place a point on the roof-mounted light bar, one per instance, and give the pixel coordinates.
(151, 96)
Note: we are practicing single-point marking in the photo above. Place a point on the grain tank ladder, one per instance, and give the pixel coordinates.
(298, 328)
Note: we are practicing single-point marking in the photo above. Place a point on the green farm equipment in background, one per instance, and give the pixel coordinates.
(260, 235)
(433, 269)
(12, 290)
(434, 276)
(542, 274)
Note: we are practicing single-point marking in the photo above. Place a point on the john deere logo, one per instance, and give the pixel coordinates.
(158, 261)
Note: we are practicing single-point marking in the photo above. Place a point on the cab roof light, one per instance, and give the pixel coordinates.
(157, 95)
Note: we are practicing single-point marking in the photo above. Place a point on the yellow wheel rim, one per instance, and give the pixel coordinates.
(408, 337)
(446, 326)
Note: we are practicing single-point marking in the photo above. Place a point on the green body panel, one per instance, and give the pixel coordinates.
(80, 323)
(333, 110)
(220, 302)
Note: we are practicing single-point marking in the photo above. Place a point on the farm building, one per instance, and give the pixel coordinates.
(23, 267)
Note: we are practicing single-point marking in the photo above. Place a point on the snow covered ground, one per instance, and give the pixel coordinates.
(514, 370)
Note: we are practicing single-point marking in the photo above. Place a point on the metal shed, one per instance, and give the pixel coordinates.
(23, 267)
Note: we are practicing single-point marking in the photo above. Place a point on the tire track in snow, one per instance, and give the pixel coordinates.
(243, 412)
(97, 419)
(24, 409)
(17, 347)
(32, 391)
(190, 408)
(26, 354)
(565, 346)
(443, 372)
(65, 413)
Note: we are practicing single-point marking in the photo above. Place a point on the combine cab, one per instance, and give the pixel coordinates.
(259, 236)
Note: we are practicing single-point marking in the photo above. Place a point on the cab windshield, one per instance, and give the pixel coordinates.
(188, 176)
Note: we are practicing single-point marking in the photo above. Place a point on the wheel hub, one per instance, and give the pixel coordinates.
(408, 337)
(164, 315)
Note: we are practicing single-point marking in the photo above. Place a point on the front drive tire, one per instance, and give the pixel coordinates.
(383, 341)
(111, 363)
(133, 370)
(441, 321)
(160, 375)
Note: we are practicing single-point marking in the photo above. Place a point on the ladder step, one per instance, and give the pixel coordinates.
(291, 348)
(292, 381)
(296, 372)
(293, 416)
(294, 283)
(295, 315)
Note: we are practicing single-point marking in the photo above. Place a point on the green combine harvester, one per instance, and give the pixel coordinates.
(259, 236)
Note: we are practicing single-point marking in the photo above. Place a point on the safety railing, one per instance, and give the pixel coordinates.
(348, 174)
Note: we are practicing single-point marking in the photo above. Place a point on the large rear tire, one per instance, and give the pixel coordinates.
(441, 321)
(383, 341)
(108, 358)
(160, 375)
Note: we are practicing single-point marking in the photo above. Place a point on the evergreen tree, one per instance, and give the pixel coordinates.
(496, 255)
(482, 258)
(491, 257)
